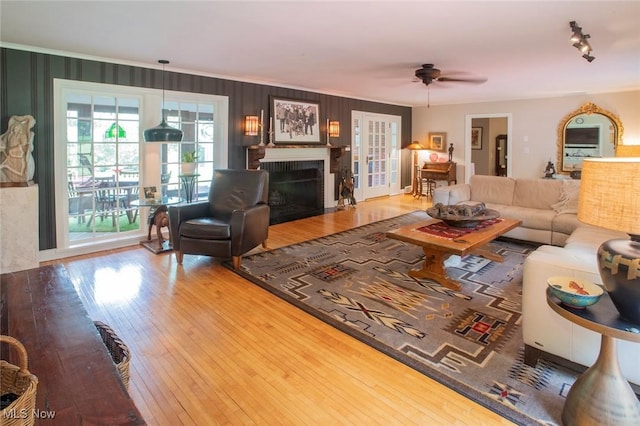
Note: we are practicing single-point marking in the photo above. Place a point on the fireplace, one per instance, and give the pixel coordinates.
(296, 189)
(301, 183)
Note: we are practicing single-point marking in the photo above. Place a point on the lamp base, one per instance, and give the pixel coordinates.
(619, 265)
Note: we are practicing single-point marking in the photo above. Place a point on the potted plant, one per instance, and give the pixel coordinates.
(189, 162)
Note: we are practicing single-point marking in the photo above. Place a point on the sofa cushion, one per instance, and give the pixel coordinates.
(565, 223)
(492, 189)
(537, 193)
(587, 238)
(568, 202)
(531, 218)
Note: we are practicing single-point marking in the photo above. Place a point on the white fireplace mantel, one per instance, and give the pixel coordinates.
(306, 154)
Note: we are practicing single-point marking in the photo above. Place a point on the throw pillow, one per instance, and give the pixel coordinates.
(568, 202)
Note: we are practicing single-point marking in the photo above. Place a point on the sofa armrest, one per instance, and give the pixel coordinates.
(453, 194)
(541, 327)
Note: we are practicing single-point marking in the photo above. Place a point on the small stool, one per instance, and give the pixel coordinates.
(426, 187)
(431, 186)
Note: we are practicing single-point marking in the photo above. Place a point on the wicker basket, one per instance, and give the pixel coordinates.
(119, 351)
(18, 380)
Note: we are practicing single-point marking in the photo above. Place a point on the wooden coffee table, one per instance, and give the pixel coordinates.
(438, 249)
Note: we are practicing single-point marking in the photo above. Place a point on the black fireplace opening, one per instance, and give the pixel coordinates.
(296, 189)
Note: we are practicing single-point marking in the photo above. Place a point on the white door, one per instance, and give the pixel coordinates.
(375, 154)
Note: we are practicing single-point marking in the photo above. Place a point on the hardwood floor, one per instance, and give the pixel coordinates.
(210, 347)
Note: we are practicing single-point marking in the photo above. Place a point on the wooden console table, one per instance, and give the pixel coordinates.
(78, 383)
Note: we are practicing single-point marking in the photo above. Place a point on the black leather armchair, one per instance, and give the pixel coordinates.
(233, 221)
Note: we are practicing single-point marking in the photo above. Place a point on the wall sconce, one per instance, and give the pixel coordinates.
(580, 41)
(333, 130)
(251, 125)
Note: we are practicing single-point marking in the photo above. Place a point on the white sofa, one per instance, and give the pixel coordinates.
(546, 331)
(546, 207)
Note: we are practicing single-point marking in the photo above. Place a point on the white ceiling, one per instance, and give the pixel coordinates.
(358, 49)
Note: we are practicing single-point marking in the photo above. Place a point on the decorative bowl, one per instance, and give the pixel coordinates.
(463, 221)
(575, 292)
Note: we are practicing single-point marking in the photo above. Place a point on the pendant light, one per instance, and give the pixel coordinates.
(163, 132)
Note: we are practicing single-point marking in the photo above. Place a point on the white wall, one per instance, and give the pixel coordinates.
(534, 125)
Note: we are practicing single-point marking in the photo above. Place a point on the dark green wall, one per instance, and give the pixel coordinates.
(26, 87)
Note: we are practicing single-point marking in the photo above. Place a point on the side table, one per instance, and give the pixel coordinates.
(188, 182)
(152, 245)
(601, 395)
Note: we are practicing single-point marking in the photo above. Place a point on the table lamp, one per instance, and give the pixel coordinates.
(610, 198)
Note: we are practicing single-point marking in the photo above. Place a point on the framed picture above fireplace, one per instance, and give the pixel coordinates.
(294, 121)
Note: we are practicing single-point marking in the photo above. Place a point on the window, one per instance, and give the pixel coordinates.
(102, 162)
(198, 124)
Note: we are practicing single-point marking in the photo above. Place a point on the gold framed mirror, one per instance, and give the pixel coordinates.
(589, 131)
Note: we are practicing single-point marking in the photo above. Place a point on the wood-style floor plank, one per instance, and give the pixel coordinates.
(209, 347)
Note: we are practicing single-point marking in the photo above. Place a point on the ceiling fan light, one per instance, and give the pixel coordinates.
(588, 57)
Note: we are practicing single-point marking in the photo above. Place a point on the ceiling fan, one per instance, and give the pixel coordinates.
(428, 74)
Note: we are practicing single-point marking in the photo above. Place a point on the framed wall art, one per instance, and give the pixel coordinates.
(294, 121)
(476, 137)
(437, 141)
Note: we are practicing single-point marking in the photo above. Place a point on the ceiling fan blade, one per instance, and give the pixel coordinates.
(463, 80)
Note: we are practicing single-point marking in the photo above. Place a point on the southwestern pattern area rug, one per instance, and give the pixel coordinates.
(469, 340)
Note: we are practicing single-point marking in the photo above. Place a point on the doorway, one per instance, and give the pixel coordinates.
(375, 154)
(488, 143)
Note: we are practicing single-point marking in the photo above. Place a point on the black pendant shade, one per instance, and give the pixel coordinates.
(163, 132)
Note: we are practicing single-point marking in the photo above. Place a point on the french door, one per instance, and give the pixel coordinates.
(102, 166)
(375, 154)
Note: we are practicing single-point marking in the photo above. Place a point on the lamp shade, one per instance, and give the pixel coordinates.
(334, 129)
(251, 125)
(415, 146)
(610, 194)
(163, 133)
(115, 131)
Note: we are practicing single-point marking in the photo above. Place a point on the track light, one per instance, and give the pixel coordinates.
(583, 45)
(577, 32)
(580, 41)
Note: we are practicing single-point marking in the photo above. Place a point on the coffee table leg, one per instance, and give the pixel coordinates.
(488, 254)
(433, 268)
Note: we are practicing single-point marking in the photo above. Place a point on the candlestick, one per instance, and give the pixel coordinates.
(261, 125)
(328, 143)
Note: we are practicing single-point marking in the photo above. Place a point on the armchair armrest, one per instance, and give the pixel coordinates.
(249, 228)
(181, 213)
(453, 194)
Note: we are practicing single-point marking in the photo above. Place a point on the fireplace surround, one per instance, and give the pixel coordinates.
(300, 182)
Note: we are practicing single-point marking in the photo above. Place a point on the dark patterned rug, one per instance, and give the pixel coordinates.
(469, 340)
